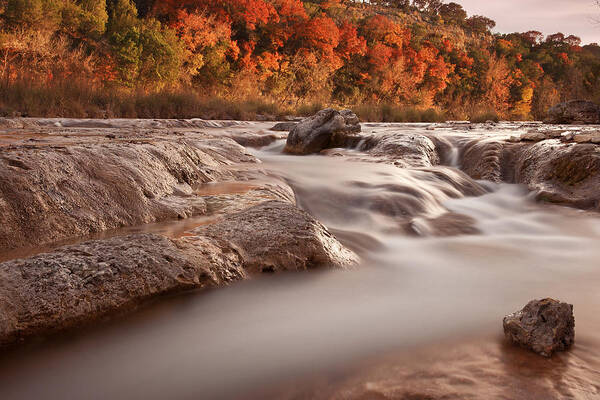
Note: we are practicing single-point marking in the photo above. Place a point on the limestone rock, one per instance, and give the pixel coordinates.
(574, 112)
(534, 136)
(401, 149)
(252, 139)
(326, 129)
(79, 284)
(561, 173)
(543, 326)
(276, 236)
(51, 192)
(588, 137)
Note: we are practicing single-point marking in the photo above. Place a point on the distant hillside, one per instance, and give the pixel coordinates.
(419, 55)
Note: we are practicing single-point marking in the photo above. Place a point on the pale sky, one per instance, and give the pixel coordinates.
(574, 17)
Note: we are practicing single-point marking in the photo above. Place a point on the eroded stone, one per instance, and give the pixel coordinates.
(543, 326)
(326, 129)
(276, 236)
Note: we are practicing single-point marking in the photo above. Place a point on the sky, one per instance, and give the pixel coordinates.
(574, 17)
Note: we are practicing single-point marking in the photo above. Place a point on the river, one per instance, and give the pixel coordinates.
(420, 318)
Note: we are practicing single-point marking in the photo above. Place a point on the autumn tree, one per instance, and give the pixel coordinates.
(36, 14)
(453, 13)
(417, 53)
(86, 18)
(146, 52)
(479, 24)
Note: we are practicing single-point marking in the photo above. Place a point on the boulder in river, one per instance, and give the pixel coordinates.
(543, 326)
(326, 129)
(574, 112)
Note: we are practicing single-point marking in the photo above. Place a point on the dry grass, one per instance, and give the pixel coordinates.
(393, 113)
(81, 101)
(484, 116)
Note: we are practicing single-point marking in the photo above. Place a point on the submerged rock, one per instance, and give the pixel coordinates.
(574, 112)
(401, 149)
(257, 140)
(326, 129)
(543, 326)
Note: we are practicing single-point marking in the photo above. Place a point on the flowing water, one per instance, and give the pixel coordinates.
(419, 319)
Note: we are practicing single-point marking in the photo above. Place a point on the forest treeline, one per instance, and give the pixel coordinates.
(390, 60)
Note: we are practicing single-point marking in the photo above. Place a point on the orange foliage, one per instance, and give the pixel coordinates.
(448, 46)
(293, 49)
(321, 34)
(350, 43)
(383, 30)
(199, 31)
(247, 13)
(564, 57)
(290, 10)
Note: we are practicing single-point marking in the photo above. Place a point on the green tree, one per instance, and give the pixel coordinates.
(85, 18)
(479, 24)
(32, 14)
(147, 53)
(453, 13)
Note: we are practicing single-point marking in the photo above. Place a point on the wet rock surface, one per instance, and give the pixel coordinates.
(405, 150)
(255, 139)
(327, 129)
(561, 173)
(76, 285)
(250, 224)
(48, 193)
(61, 179)
(457, 370)
(276, 236)
(543, 326)
(67, 179)
(574, 112)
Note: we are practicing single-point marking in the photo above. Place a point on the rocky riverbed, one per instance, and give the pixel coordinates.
(102, 216)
